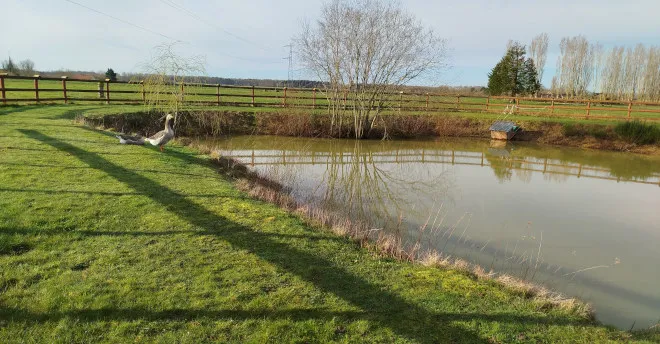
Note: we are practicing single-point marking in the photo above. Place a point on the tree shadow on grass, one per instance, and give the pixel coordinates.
(384, 308)
(13, 109)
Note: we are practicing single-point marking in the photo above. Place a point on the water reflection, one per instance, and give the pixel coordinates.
(585, 223)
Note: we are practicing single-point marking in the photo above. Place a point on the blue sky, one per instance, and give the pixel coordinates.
(246, 39)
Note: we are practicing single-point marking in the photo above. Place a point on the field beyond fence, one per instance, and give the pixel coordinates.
(30, 90)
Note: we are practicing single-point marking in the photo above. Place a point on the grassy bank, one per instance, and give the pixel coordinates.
(101, 242)
(202, 121)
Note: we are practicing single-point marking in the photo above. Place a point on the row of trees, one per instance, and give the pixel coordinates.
(25, 67)
(584, 69)
(619, 73)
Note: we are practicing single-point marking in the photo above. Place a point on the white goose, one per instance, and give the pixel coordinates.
(158, 139)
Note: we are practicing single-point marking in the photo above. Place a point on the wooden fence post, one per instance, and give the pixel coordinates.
(252, 95)
(101, 90)
(36, 87)
(400, 99)
(458, 103)
(217, 92)
(107, 91)
(629, 109)
(487, 103)
(144, 97)
(284, 96)
(2, 86)
(66, 100)
(517, 105)
(588, 109)
(427, 100)
(314, 101)
(182, 91)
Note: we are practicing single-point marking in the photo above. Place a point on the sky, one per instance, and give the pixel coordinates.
(247, 39)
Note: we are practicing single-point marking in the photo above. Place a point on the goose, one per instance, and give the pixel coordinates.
(158, 139)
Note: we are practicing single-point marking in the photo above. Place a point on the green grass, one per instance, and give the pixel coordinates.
(102, 242)
(638, 132)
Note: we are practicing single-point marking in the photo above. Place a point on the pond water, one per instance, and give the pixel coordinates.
(585, 223)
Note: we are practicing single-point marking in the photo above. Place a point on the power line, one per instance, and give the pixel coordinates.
(196, 16)
(124, 21)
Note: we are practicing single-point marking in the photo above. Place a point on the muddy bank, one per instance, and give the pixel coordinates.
(214, 123)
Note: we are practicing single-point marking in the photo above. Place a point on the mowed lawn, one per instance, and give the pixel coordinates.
(101, 242)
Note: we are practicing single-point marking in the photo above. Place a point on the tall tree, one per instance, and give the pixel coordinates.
(530, 79)
(652, 75)
(613, 73)
(363, 51)
(575, 65)
(635, 66)
(513, 73)
(9, 66)
(538, 52)
(110, 74)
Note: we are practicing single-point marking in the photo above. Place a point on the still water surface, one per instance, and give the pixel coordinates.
(585, 223)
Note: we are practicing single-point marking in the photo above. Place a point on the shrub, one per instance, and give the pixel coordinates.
(638, 132)
(573, 130)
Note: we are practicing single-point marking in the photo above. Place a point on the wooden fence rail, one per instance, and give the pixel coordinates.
(37, 89)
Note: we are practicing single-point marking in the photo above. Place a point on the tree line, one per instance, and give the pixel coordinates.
(618, 73)
(23, 68)
(584, 69)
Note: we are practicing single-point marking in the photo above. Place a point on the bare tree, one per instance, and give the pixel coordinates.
(363, 50)
(652, 75)
(597, 66)
(575, 65)
(538, 51)
(635, 65)
(26, 67)
(613, 73)
(166, 73)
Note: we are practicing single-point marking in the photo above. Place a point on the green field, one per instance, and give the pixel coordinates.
(101, 242)
(84, 92)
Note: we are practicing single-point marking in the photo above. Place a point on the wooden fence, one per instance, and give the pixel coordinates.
(36, 89)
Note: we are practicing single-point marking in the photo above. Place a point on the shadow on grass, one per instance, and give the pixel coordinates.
(131, 314)
(12, 109)
(14, 230)
(383, 307)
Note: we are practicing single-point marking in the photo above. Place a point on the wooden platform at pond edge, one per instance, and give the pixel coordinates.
(503, 130)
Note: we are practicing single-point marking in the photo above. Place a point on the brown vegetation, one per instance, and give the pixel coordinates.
(304, 124)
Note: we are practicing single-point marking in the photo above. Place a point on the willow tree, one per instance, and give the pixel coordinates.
(364, 51)
(167, 75)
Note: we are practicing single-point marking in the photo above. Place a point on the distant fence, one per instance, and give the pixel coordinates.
(36, 89)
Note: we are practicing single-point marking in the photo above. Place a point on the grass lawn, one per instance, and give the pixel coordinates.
(101, 242)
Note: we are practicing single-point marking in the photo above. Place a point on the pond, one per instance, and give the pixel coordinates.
(584, 223)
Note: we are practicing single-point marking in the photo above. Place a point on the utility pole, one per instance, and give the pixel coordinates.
(290, 58)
